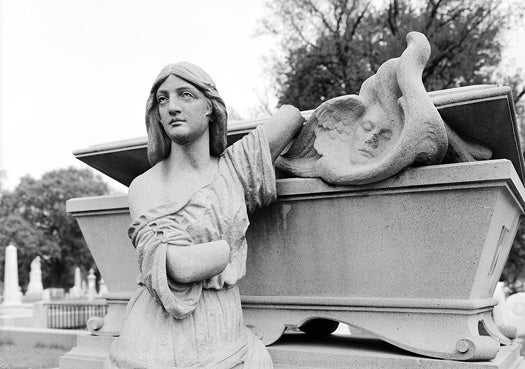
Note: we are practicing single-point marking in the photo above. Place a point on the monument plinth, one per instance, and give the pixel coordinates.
(299, 351)
(413, 259)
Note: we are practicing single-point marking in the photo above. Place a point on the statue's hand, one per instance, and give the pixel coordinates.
(289, 114)
(282, 127)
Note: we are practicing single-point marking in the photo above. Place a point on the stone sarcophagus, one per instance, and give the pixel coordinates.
(413, 259)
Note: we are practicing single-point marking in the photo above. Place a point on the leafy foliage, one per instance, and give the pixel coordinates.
(332, 46)
(33, 218)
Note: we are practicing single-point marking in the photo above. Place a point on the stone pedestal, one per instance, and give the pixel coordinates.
(299, 351)
(16, 315)
(111, 324)
(89, 353)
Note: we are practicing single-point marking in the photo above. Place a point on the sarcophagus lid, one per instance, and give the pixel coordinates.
(483, 112)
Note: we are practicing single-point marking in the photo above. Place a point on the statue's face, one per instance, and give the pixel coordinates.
(371, 137)
(184, 110)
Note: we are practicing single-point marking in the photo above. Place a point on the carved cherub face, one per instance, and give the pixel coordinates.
(352, 131)
(371, 137)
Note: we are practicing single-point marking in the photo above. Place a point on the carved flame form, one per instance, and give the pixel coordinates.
(365, 138)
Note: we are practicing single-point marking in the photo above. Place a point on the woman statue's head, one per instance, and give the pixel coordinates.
(159, 144)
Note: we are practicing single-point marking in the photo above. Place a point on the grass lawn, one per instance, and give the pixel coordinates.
(35, 357)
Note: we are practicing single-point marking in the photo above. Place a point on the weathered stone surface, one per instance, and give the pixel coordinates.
(412, 226)
(365, 138)
(463, 208)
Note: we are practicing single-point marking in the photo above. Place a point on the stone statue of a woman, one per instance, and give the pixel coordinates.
(190, 218)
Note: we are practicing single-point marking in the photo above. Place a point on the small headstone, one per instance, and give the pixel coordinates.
(91, 285)
(56, 294)
(102, 289)
(76, 291)
(35, 288)
(12, 294)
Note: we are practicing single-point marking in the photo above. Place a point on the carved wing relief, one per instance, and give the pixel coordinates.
(390, 125)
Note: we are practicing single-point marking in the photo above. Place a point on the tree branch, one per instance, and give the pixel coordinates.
(432, 15)
(342, 11)
(357, 22)
(465, 32)
(319, 13)
(300, 33)
(393, 12)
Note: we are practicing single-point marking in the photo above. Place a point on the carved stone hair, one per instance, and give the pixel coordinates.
(159, 144)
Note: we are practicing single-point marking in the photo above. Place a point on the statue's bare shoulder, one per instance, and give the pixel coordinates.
(141, 192)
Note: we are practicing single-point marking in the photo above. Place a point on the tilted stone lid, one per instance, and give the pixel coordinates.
(483, 112)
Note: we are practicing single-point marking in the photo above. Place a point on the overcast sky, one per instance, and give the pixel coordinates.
(75, 73)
